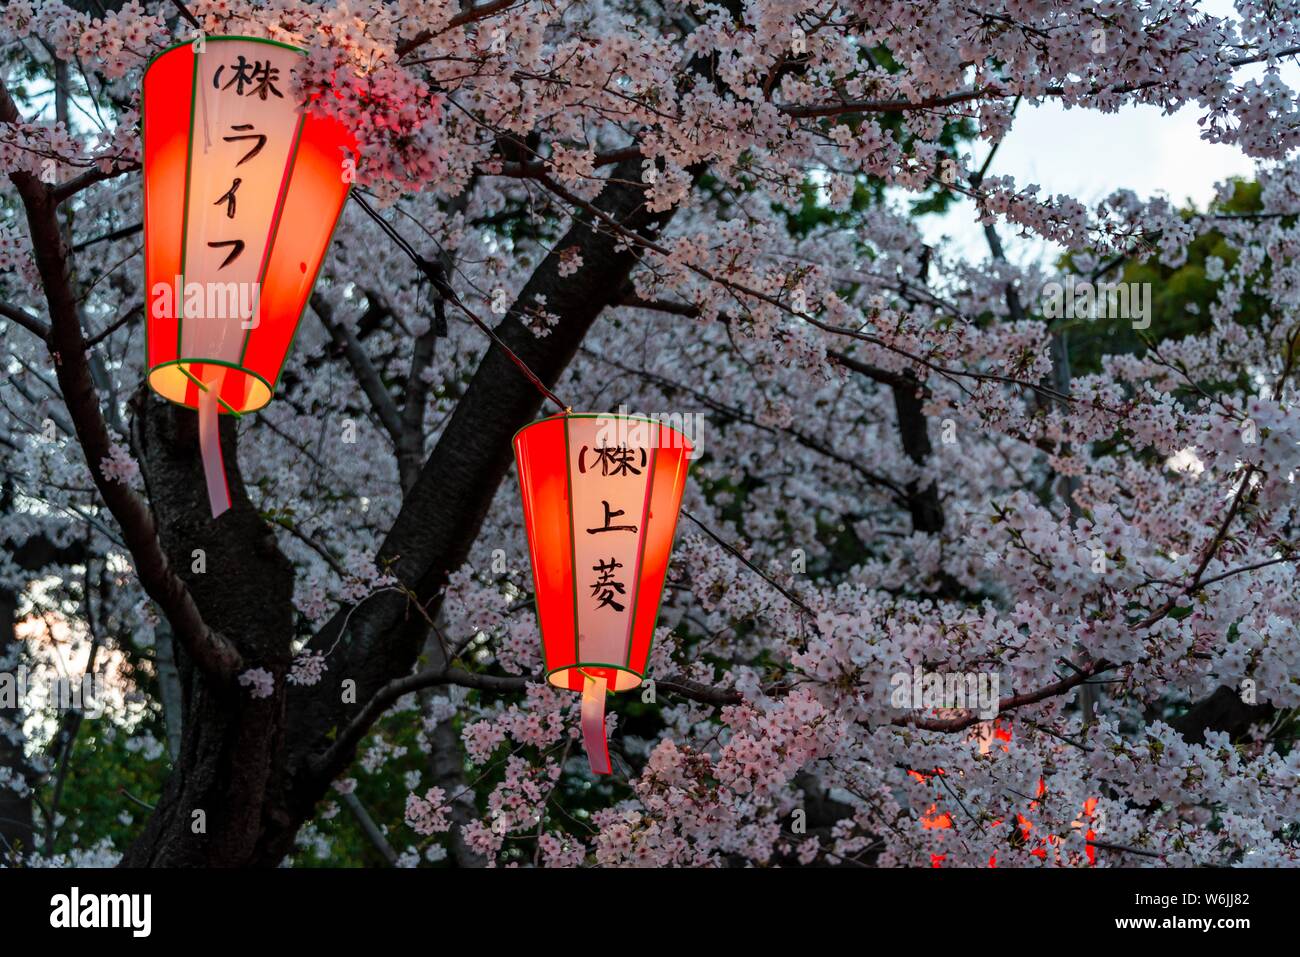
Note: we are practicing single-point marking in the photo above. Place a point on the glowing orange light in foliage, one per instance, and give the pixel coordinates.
(935, 819)
(242, 190)
(601, 495)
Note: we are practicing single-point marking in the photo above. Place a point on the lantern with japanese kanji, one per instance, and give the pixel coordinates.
(242, 191)
(601, 496)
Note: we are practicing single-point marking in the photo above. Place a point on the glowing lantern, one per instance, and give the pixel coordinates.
(242, 191)
(601, 496)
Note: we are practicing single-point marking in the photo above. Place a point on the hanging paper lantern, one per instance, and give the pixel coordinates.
(601, 496)
(242, 191)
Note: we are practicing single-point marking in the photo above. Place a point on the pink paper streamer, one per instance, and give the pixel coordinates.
(593, 724)
(214, 469)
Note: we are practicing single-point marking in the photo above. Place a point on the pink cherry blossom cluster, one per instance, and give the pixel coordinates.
(1129, 528)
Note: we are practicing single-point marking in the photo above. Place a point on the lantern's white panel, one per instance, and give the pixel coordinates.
(610, 474)
(244, 127)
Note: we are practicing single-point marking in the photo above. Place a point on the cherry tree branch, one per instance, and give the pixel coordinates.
(739, 415)
(947, 372)
(389, 694)
(66, 190)
(376, 837)
(130, 313)
(480, 12)
(26, 320)
(1084, 672)
(1081, 675)
(991, 91)
(367, 375)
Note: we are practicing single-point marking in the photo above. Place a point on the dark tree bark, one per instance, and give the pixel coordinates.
(215, 804)
(922, 502)
(1222, 711)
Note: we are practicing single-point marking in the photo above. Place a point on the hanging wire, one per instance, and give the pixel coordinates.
(185, 12)
(437, 275)
(785, 592)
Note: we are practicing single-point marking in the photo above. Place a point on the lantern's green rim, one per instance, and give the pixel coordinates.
(689, 445)
(203, 387)
(218, 38)
(573, 549)
(597, 664)
(210, 362)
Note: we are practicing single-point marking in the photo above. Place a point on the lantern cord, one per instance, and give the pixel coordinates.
(214, 468)
(593, 723)
(789, 596)
(185, 12)
(437, 275)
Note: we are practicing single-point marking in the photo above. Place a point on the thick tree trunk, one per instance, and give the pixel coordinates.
(169, 688)
(219, 799)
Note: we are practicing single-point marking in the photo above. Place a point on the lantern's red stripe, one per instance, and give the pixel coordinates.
(665, 503)
(311, 203)
(595, 739)
(638, 608)
(576, 681)
(235, 389)
(168, 101)
(543, 485)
